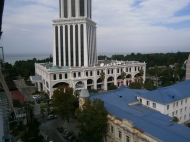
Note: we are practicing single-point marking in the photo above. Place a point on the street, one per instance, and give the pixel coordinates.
(47, 127)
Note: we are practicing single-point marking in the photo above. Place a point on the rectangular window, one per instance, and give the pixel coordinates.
(111, 129)
(73, 7)
(65, 9)
(126, 69)
(81, 7)
(184, 116)
(168, 106)
(181, 102)
(127, 139)
(120, 135)
(180, 118)
(147, 103)
(176, 103)
(173, 104)
(185, 100)
(181, 110)
(154, 105)
(140, 100)
(172, 113)
(176, 112)
(185, 108)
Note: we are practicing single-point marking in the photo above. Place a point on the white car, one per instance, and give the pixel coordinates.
(36, 96)
(52, 116)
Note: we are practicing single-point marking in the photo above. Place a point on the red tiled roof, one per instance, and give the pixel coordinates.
(17, 95)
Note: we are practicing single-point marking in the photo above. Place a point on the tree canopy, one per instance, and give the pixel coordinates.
(149, 84)
(93, 121)
(63, 102)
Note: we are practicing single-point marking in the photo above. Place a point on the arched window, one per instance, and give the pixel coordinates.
(79, 74)
(54, 77)
(91, 73)
(65, 75)
(108, 71)
(117, 70)
(60, 76)
(86, 73)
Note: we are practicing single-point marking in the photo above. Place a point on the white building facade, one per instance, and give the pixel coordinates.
(86, 77)
(179, 109)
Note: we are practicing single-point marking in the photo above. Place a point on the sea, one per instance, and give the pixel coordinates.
(11, 58)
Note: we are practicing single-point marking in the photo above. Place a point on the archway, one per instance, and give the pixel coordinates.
(90, 84)
(99, 84)
(80, 85)
(110, 81)
(60, 84)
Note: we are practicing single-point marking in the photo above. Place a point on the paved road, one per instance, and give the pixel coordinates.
(49, 127)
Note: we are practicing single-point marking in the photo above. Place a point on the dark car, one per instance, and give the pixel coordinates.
(71, 138)
(67, 134)
(60, 129)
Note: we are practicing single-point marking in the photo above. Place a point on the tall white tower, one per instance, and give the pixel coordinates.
(74, 34)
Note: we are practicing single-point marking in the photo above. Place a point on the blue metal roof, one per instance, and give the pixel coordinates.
(169, 94)
(150, 121)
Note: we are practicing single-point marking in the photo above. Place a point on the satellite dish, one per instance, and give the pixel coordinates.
(102, 64)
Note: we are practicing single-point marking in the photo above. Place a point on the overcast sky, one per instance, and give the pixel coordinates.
(123, 26)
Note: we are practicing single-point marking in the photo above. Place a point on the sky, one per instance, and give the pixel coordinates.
(123, 26)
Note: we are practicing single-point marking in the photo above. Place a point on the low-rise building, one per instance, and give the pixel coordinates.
(49, 77)
(130, 120)
(172, 100)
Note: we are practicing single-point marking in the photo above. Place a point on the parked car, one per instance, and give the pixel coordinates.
(60, 129)
(52, 117)
(71, 138)
(36, 96)
(67, 134)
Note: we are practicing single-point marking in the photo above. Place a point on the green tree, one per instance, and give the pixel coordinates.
(62, 101)
(112, 87)
(175, 119)
(102, 77)
(93, 121)
(135, 85)
(123, 75)
(149, 84)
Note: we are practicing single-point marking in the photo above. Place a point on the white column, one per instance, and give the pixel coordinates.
(89, 2)
(59, 45)
(74, 47)
(64, 55)
(54, 47)
(61, 9)
(77, 8)
(79, 43)
(85, 8)
(69, 49)
(85, 47)
(105, 80)
(90, 44)
(115, 76)
(93, 46)
(69, 8)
